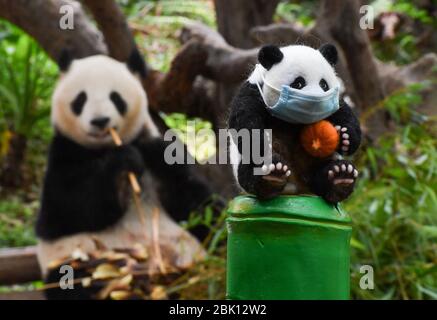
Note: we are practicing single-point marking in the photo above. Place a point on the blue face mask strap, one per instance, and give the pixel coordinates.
(259, 86)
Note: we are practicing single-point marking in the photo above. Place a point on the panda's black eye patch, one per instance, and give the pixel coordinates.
(324, 85)
(78, 103)
(118, 101)
(298, 83)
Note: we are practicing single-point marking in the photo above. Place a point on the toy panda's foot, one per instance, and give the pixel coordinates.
(273, 181)
(276, 172)
(337, 180)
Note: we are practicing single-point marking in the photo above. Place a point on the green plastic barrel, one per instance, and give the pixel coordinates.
(290, 247)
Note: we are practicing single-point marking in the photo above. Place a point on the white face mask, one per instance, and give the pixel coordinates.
(294, 106)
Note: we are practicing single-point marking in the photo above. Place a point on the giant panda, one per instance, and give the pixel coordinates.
(86, 199)
(309, 72)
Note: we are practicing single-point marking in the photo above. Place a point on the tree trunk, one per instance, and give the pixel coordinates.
(236, 18)
(342, 18)
(114, 27)
(12, 173)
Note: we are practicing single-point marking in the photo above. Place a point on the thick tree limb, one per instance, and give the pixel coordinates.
(341, 18)
(223, 62)
(114, 27)
(23, 295)
(278, 33)
(40, 18)
(177, 90)
(236, 18)
(18, 265)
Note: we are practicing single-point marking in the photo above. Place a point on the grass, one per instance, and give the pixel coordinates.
(394, 216)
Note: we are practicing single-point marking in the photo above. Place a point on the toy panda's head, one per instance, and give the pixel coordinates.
(97, 93)
(300, 67)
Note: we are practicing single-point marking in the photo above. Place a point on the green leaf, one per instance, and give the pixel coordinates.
(432, 293)
(428, 231)
(356, 244)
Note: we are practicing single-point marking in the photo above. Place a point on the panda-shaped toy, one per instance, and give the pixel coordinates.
(291, 88)
(86, 198)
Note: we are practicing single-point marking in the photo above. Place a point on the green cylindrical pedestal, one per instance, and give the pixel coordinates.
(290, 247)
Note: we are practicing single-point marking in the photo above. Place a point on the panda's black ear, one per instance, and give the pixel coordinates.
(65, 59)
(330, 53)
(136, 63)
(270, 55)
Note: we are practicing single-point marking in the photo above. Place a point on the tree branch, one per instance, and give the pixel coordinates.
(40, 19)
(236, 18)
(223, 62)
(278, 33)
(114, 27)
(342, 19)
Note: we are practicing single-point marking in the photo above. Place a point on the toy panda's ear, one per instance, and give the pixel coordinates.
(270, 55)
(136, 63)
(65, 59)
(330, 53)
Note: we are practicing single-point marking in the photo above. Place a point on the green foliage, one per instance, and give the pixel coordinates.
(402, 49)
(206, 280)
(27, 77)
(26, 81)
(405, 47)
(171, 12)
(156, 25)
(410, 9)
(393, 208)
(403, 104)
(302, 12)
(16, 222)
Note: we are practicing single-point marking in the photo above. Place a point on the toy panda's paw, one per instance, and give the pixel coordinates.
(341, 176)
(342, 172)
(276, 169)
(276, 173)
(273, 181)
(345, 142)
(130, 159)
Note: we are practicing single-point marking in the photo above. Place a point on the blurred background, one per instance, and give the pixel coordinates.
(198, 52)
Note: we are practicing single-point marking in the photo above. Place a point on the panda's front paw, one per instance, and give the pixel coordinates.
(345, 142)
(129, 159)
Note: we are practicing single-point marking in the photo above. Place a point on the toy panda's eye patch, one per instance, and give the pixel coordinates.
(298, 83)
(78, 103)
(119, 102)
(324, 85)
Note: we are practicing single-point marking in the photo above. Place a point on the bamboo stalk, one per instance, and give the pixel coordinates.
(140, 210)
(155, 238)
(132, 178)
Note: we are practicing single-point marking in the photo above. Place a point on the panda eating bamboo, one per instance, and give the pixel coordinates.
(86, 196)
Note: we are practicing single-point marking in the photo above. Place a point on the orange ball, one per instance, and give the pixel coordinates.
(320, 139)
